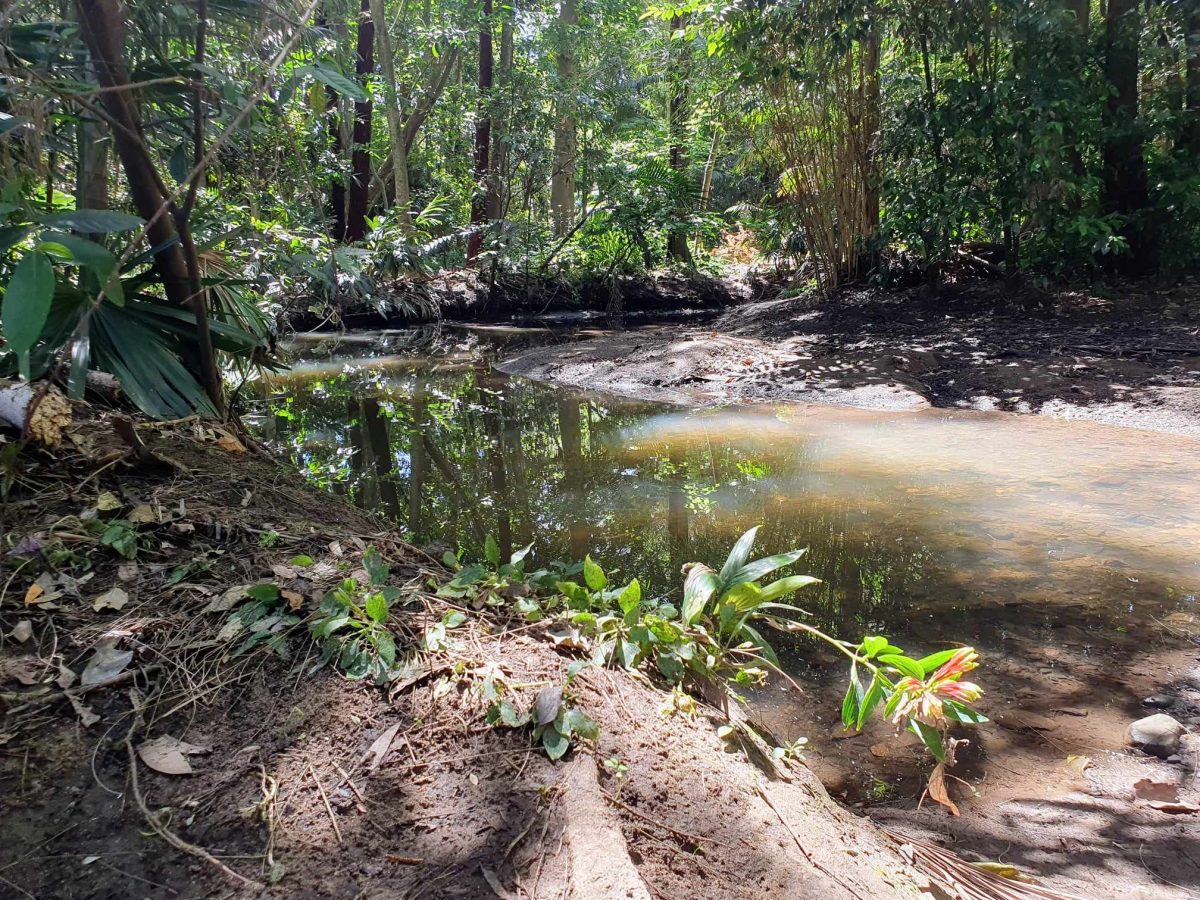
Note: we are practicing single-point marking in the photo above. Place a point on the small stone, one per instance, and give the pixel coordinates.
(1157, 735)
(1175, 758)
(1158, 701)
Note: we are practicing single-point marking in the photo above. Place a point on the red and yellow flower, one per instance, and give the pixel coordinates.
(922, 700)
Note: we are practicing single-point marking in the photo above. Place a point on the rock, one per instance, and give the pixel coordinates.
(1175, 758)
(1157, 735)
(1158, 701)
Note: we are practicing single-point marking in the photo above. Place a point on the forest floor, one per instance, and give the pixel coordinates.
(1125, 355)
(131, 720)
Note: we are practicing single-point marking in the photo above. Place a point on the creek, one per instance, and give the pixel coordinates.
(1065, 552)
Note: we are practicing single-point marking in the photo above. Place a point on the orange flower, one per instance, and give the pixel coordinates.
(922, 700)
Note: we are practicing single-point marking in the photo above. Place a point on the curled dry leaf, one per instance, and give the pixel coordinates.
(66, 677)
(1175, 808)
(168, 755)
(107, 502)
(128, 571)
(937, 789)
(294, 600)
(23, 669)
(380, 746)
(1080, 763)
(230, 598)
(547, 705)
(230, 444)
(22, 632)
(31, 595)
(143, 514)
(112, 599)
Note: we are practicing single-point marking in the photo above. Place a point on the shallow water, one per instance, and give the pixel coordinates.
(1037, 540)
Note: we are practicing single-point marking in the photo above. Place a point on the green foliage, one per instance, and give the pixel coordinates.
(552, 718)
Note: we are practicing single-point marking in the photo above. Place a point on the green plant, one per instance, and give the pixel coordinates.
(553, 719)
(351, 625)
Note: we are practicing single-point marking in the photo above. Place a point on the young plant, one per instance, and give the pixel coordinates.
(553, 719)
(351, 625)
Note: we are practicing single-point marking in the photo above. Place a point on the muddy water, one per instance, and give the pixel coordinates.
(1064, 551)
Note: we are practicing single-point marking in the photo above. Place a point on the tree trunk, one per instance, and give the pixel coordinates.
(399, 155)
(566, 147)
(677, 243)
(39, 411)
(570, 431)
(1126, 187)
(360, 156)
(872, 117)
(501, 132)
(91, 174)
(418, 459)
(102, 23)
(483, 138)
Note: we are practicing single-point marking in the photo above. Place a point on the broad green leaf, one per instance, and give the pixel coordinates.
(266, 593)
(852, 702)
(761, 643)
(960, 712)
(328, 74)
(27, 302)
(555, 743)
(577, 722)
(738, 555)
(872, 646)
(454, 618)
(785, 586)
(698, 590)
(907, 666)
(593, 575)
(520, 554)
(744, 597)
(930, 737)
(935, 661)
(301, 561)
(491, 551)
(870, 701)
(630, 597)
(93, 221)
(763, 567)
(377, 568)
(386, 645)
(90, 255)
(377, 607)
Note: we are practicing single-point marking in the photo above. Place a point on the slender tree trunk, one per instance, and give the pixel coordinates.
(570, 431)
(399, 154)
(677, 243)
(566, 147)
(933, 240)
(1126, 187)
(1083, 14)
(360, 156)
(501, 132)
(483, 138)
(375, 430)
(872, 117)
(418, 458)
(102, 23)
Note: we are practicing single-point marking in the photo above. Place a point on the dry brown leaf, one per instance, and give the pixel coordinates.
(22, 632)
(295, 601)
(279, 570)
(87, 716)
(379, 748)
(31, 595)
(168, 755)
(937, 789)
(111, 599)
(143, 514)
(128, 571)
(66, 677)
(1161, 791)
(24, 669)
(107, 502)
(230, 444)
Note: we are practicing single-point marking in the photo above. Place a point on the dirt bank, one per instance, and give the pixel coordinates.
(289, 782)
(1128, 357)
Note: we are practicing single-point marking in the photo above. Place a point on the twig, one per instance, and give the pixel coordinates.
(694, 838)
(161, 830)
(329, 809)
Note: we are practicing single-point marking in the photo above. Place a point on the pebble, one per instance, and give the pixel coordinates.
(1158, 701)
(1175, 758)
(1157, 735)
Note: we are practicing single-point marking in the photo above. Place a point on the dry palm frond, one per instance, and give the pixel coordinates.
(963, 880)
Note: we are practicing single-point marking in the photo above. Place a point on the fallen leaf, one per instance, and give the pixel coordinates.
(168, 755)
(547, 705)
(1161, 791)
(24, 669)
(937, 789)
(106, 663)
(87, 716)
(380, 746)
(22, 632)
(495, 884)
(128, 571)
(66, 677)
(335, 547)
(1175, 808)
(231, 629)
(111, 599)
(230, 598)
(295, 601)
(143, 514)
(284, 572)
(31, 595)
(1080, 763)
(1002, 870)
(230, 444)
(108, 501)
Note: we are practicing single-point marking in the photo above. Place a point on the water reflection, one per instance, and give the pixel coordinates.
(906, 517)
